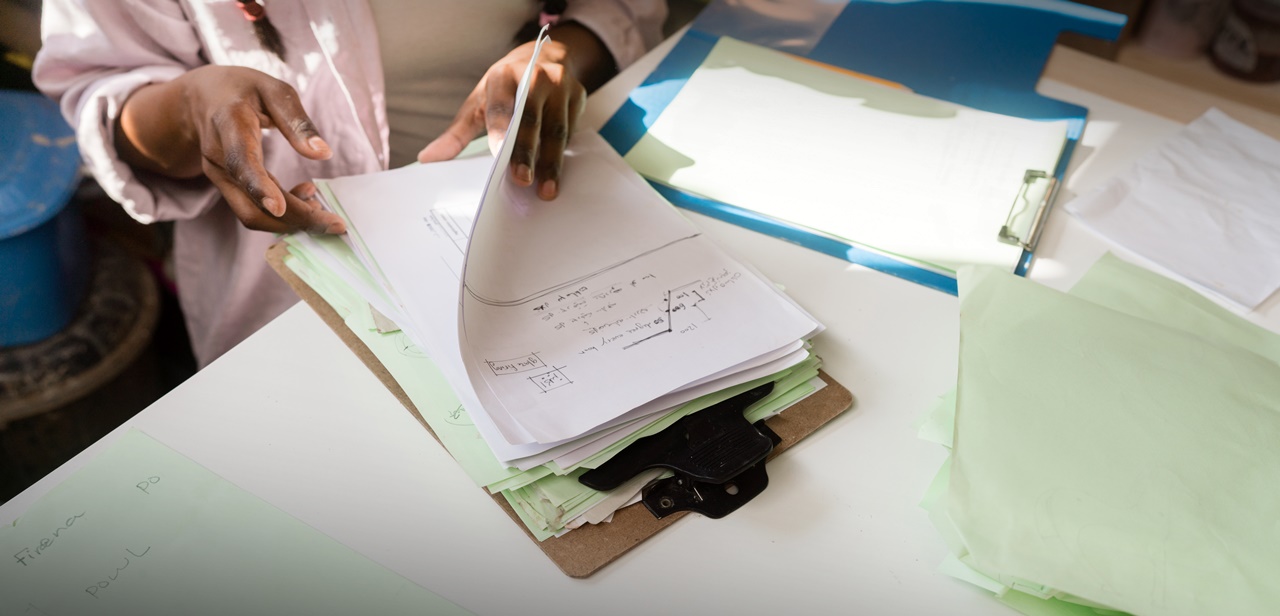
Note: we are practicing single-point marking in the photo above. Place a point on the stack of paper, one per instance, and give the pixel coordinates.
(1203, 205)
(1112, 449)
(539, 338)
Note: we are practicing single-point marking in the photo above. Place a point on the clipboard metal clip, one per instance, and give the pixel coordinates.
(1030, 210)
(716, 455)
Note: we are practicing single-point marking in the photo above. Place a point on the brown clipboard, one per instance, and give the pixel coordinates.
(583, 551)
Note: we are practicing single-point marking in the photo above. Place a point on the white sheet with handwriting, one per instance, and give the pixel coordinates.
(586, 308)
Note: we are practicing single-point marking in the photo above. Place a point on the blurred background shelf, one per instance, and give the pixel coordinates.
(1199, 73)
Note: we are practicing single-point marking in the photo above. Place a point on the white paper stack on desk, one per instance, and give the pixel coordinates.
(566, 329)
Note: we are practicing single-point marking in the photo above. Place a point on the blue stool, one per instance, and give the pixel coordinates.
(44, 256)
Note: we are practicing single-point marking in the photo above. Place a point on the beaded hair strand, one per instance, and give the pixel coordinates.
(550, 12)
(256, 13)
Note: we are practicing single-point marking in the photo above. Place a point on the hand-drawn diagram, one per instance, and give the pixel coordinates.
(545, 381)
(551, 379)
(685, 305)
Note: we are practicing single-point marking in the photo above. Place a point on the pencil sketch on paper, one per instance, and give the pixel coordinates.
(551, 379)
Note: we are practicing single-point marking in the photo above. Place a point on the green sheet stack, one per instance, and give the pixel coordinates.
(1116, 448)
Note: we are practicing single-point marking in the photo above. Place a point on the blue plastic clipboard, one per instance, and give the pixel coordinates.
(986, 55)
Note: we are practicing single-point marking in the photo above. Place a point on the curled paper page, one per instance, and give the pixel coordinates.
(555, 320)
(579, 310)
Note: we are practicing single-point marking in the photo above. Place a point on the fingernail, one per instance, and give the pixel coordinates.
(547, 190)
(524, 174)
(336, 228)
(320, 146)
(271, 205)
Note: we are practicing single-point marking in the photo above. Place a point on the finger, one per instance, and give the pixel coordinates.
(306, 191)
(237, 151)
(525, 150)
(554, 138)
(499, 106)
(282, 106)
(465, 127)
(303, 209)
(242, 205)
(306, 213)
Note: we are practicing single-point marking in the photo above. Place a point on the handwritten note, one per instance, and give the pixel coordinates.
(575, 313)
(144, 530)
(663, 320)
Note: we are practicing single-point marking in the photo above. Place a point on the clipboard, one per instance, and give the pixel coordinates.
(992, 64)
(586, 550)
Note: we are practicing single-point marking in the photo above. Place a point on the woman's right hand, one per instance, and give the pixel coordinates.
(209, 122)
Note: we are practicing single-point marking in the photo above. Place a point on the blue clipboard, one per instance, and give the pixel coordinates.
(987, 55)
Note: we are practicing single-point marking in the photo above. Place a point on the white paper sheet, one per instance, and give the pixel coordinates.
(892, 170)
(1205, 205)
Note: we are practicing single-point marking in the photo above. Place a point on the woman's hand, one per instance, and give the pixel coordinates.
(209, 122)
(557, 97)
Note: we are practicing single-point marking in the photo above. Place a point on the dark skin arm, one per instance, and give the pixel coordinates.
(209, 121)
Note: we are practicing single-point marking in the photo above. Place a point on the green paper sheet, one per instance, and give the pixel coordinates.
(1035, 606)
(144, 530)
(411, 368)
(1123, 453)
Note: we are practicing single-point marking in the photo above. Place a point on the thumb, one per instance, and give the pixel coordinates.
(449, 144)
(281, 103)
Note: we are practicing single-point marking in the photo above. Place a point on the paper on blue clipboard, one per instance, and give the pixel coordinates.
(920, 179)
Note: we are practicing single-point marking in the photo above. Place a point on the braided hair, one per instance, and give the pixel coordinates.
(256, 13)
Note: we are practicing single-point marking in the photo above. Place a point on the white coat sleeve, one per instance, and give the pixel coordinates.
(95, 54)
(628, 28)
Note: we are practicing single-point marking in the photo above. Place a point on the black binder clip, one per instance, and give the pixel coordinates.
(717, 456)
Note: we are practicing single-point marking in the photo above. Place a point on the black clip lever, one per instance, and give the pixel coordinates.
(716, 454)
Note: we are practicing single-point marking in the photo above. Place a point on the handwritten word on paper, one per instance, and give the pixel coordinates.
(143, 530)
(632, 311)
(591, 317)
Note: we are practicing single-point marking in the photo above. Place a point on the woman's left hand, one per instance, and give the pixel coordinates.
(556, 99)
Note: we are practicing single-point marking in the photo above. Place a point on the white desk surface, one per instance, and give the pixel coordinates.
(292, 416)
